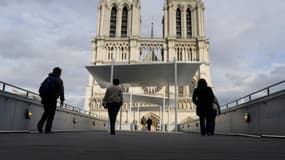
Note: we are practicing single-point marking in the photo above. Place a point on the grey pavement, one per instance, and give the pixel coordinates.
(137, 146)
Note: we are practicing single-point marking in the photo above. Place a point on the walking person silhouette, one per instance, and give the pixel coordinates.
(50, 90)
(203, 98)
(113, 101)
(149, 123)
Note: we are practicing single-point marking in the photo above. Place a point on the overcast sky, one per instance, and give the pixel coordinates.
(247, 49)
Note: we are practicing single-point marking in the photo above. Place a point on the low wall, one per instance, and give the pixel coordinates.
(266, 118)
(13, 110)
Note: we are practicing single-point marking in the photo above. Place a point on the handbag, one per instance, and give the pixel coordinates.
(215, 106)
(104, 104)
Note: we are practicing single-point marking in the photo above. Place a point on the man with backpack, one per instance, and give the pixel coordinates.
(50, 90)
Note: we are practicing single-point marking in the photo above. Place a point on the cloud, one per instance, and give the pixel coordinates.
(238, 84)
(39, 35)
(246, 42)
(152, 11)
(246, 45)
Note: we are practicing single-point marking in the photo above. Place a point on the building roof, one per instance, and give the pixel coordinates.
(154, 100)
(145, 74)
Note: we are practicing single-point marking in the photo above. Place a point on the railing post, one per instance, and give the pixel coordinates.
(27, 94)
(268, 91)
(3, 87)
(249, 98)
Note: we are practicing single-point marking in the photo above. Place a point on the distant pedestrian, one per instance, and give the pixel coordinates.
(149, 123)
(50, 90)
(113, 101)
(203, 98)
(135, 125)
(143, 123)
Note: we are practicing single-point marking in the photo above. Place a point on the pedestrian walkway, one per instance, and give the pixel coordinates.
(137, 146)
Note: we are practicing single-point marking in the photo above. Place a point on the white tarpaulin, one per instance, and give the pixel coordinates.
(151, 74)
(146, 108)
(147, 99)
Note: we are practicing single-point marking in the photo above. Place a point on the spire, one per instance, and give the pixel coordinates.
(151, 30)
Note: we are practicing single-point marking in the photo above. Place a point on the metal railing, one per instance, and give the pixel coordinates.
(277, 87)
(8, 88)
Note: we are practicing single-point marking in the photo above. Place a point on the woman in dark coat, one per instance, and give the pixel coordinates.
(203, 98)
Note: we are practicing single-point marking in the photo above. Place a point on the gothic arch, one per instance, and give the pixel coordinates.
(179, 6)
(155, 118)
(125, 4)
(112, 4)
(190, 7)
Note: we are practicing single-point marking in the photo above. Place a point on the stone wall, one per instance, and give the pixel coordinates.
(13, 109)
(266, 118)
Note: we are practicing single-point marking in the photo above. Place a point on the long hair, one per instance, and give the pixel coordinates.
(202, 83)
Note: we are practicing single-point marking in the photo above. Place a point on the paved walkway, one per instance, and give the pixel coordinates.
(137, 146)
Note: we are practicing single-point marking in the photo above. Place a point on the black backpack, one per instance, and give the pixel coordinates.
(48, 87)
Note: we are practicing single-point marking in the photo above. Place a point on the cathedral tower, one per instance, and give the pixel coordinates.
(118, 18)
(184, 31)
(119, 38)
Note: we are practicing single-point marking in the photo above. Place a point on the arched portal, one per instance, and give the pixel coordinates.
(155, 120)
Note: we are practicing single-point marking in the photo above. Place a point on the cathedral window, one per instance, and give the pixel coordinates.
(162, 55)
(124, 27)
(179, 55)
(189, 22)
(126, 90)
(180, 90)
(113, 22)
(178, 23)
(122, 54)
(125, 56)
(197, 57)
(110, 54)
(190, 58)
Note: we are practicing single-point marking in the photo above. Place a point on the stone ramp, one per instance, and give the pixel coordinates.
(137, 146)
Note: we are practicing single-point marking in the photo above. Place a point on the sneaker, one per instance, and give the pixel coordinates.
(40, 129)
(210, 134)
(48, 132)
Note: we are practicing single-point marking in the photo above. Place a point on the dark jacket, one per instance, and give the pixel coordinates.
(58, 89)
(203, 98)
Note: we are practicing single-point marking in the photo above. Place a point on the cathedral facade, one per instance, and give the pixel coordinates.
(119, 38)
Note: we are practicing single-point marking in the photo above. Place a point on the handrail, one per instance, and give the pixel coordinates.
(10, 85)
(36, 97)
(250, 97)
